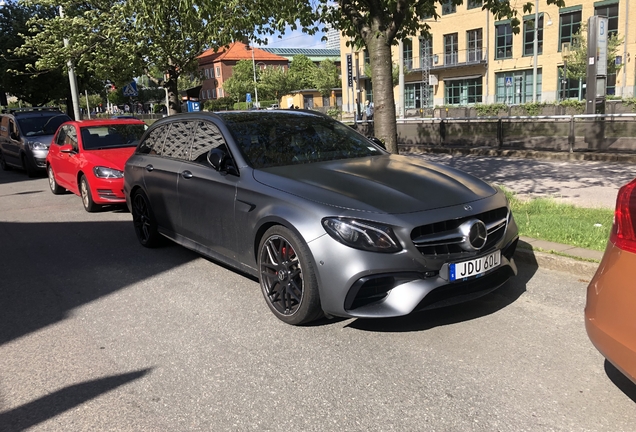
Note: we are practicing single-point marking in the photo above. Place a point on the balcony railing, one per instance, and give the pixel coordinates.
(460, 58)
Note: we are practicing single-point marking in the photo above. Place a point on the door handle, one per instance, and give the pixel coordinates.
(149, 168)
(186, 174)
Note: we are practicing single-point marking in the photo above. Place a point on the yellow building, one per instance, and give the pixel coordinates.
(475, 59)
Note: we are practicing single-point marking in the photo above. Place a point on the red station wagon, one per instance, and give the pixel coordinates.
(87, 157)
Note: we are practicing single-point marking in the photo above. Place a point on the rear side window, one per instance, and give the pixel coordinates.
(153, 144)
(178, 140)
(207, 136)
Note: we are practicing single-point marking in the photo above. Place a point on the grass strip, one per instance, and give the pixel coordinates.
(546, 219)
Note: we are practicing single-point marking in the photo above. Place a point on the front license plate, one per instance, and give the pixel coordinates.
(474, 267)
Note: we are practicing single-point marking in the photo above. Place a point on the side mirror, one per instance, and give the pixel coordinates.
(216, 158)
(378, 141)
(68, 148)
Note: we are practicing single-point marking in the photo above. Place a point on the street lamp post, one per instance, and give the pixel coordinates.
(535, 49)
(72, 79)
(255, 86)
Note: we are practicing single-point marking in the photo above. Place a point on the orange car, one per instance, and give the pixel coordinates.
(610, 312)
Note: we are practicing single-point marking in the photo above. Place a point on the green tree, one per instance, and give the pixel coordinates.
(120, 39)
(241, 82)
(377, 25)
(301, 72)
(326, 77)
(274, 83)
(577, 59)
(16, 77)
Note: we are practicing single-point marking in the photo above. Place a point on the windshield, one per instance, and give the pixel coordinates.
(41, 125)
(277, 139)
(110, 136)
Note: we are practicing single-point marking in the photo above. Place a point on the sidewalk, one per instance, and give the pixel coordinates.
(562, 175)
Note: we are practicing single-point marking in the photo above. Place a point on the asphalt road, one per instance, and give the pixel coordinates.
(98, 333)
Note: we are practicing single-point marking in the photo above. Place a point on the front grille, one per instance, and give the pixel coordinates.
(444, 238)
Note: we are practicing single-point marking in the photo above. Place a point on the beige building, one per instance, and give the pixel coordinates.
(475, 59)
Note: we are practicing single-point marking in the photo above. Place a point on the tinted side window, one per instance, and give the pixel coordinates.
(153, 144)
(178, 140)
(206, 137)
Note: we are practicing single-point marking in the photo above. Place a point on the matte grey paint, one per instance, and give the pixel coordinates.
(392, 190)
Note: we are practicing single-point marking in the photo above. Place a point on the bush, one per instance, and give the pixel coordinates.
(490, 110)
(220, 104)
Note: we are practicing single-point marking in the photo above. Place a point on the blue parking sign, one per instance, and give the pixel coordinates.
(248, 97)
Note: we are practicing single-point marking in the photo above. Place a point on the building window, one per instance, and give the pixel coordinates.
(528, 35)
(448, 7)
(326, 101)
(516, 87)
(407, 53)
(475, 41)
(426, 51)
(463, 91)
(474, 4)
(213, 93)
(450, 49)
(368, 89)
(207, 73)
(569, 88)
(611, 12)
(414, 97)
(209, 94)
(503, 49)
(218, 72)
(570, 25)
(220, 92)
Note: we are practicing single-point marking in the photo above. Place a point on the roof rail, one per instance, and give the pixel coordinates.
(28, 109)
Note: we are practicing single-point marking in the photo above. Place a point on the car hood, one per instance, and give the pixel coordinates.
(111, 158)
(379, 184)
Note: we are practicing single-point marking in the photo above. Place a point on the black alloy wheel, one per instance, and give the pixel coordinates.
(287, 277)
(55, 188)
(144, 221)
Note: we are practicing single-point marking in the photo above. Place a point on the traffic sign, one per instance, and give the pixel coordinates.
(248, 97)
(131, 89)
(508, 81)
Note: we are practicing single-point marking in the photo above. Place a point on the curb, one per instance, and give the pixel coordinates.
(583, 269)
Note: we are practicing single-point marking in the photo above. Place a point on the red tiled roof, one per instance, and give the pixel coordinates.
(238, 51)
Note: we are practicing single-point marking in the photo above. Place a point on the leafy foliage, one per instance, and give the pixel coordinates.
(326, 77)
(118, 39)
(242, 80)
(490, 110)
(16, 76)
(577, 59)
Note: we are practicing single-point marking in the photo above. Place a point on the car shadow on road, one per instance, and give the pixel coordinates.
(623, 383)
(17, 175)
(37, 411)
(49, 269)
(425, 320)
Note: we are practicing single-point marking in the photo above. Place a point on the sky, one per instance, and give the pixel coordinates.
(296, 39)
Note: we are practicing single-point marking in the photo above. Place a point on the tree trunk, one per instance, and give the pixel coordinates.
(173, 92)
(381, 75)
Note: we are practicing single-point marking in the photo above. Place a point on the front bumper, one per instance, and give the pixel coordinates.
(108, 191)
(355, 283)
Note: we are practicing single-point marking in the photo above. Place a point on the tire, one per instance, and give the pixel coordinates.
(287, 277)
(55, 188)
(144, 221)
(87, 198)
(28, 167)
(3, 163)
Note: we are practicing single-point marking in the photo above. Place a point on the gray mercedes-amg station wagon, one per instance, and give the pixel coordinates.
(329, 222)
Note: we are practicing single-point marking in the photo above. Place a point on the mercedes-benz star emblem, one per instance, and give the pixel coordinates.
(474, 234)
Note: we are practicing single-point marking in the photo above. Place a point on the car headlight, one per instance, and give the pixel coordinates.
(36, 145)
(362, 234)
(107, 173)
